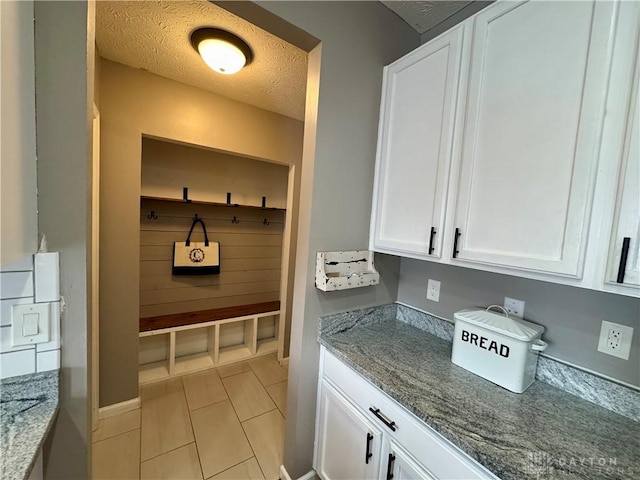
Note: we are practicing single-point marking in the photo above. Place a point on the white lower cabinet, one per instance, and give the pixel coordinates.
(349, 445)
(401, 466)
(361, 433)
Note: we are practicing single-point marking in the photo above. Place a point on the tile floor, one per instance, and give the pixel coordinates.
(223, 423)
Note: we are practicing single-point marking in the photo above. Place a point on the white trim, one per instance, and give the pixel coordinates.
(284, 362)
(310, 475)
(284, 475)
(118, 408)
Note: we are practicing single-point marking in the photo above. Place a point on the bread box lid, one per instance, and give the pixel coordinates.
(511, 327)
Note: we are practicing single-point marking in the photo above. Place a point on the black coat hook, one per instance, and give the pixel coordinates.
(265, 222)
(235, 220)
(195, 217)
(152, 215)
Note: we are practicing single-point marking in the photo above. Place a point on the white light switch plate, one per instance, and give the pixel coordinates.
(615, 339)
(30, 323)
(433, 290)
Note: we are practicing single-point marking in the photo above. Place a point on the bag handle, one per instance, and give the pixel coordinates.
(204, 229)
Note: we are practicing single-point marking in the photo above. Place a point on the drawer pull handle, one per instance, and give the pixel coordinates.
(392, 458)
(456, 235)
(623, 259)
(431, 247)
(383, 419)
(368, 455)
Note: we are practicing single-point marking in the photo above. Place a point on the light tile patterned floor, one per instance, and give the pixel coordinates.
(225, 423)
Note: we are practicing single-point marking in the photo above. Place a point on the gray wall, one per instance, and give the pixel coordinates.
(357, 40)
(64, 89)
(571, 315)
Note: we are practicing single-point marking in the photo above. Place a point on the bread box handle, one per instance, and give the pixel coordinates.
(539, 346)
(506, 314)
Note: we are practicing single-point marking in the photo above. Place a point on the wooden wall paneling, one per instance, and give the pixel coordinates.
(267, 327)
(162, 252)
(230, 265)
(153, 349)
(244, 239)
(156, 297)
(166, 280)
(195, 305)
(250, 257)
(191, 341)
(232, 335)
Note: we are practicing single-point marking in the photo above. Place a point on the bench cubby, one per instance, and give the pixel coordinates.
(177, 344)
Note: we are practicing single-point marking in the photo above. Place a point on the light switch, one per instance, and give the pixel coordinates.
(30, 323)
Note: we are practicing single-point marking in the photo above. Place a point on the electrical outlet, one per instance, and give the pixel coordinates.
(433, 290)
(514, 307)
(615, 339)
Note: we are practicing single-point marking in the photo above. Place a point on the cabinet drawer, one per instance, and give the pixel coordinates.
(443, 459)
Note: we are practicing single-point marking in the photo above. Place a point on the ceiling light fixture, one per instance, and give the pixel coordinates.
(222, 51)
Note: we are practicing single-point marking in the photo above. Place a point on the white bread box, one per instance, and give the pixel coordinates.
(501, 349)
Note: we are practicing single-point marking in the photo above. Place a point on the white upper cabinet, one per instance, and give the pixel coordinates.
(415, 148)
(510, 144)
(624, 254)
(530, 144)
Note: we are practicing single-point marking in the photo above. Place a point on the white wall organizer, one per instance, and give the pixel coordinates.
(343, 270)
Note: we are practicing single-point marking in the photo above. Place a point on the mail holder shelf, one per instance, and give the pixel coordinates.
(345, 269)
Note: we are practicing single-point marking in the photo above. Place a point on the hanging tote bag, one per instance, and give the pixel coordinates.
(196, 258)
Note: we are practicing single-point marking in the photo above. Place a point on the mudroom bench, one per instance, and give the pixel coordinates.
(182, 343)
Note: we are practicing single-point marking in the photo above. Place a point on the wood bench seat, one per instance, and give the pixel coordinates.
(190, 318)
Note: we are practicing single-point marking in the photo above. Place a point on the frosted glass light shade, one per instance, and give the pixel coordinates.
(221, 56)
(222, 51)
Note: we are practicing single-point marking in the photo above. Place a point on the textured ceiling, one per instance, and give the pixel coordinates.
(154, 35)
(423, 15)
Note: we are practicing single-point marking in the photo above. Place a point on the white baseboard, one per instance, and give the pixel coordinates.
(284, 475)
(309, 475)
(284, 362)
(118, 408)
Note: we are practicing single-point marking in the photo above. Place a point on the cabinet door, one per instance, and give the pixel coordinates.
(414, 148)
(348, 445)
(627, 219)
(403, 467)
(535, 106)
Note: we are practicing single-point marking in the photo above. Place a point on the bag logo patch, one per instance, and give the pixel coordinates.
(196, 255)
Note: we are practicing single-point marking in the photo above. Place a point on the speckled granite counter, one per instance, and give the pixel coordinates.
(544, 433)
(28, 407)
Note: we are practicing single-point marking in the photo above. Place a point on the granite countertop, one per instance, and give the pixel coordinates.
(543, 433)
(28, 407)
